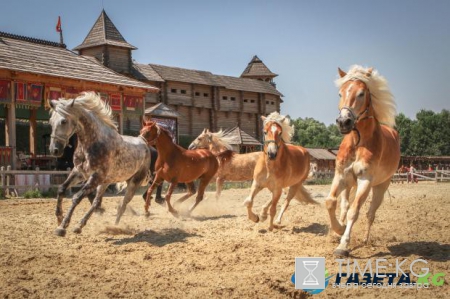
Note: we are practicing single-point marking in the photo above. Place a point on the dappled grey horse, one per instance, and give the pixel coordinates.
(102, 156)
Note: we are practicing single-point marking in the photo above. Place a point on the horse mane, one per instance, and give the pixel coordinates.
(225, 156)
(224, 141)
(284, 122)
(383, 103)
(90, 102)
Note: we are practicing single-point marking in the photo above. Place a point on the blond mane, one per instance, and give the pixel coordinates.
(284, 122)
(383, 103)
(224, 141)
(90, 102)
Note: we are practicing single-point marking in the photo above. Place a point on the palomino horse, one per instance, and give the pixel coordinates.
(178, 165)
(236, 168)
(369, 153)
(102, 157)
(282, 165)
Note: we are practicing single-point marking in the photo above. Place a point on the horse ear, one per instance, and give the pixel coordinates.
(72, 103)
(263, 117)
(369, 71)
(53, 104)
(341, 73)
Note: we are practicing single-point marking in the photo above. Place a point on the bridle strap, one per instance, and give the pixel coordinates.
(65, 139)
(357, 117)
(153, 141)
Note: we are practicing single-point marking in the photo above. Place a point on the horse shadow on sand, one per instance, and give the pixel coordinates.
(313, 228)
(156, 238)
(426, 250)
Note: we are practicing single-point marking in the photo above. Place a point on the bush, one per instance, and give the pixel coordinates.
(32, 194)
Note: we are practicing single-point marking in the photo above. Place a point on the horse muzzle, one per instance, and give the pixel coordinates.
(56, 149)
(192, 146)
(345, 124)
(272, 151)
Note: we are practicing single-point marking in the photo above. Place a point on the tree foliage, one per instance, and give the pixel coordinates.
(427, 135)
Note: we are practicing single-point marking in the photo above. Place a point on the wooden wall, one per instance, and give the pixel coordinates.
(249, 123)
(119, 59)
(201, 117)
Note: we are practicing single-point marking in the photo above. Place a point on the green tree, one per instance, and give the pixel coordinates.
(403, 126)
(312, 133)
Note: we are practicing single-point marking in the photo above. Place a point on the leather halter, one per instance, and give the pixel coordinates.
(65, 139)
(357, 117)
(267, 142)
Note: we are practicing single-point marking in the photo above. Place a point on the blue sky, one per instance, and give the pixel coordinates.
(408, 41)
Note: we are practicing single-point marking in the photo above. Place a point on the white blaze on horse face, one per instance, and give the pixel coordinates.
(272, 146)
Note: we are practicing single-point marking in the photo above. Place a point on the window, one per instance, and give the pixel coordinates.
(183, 91)
(267, 102)
(225, 98)
(272, 103)
(245, 100)
(197, 94)
(252, 101)
(233, 98)
(173, 90)
(206, 95)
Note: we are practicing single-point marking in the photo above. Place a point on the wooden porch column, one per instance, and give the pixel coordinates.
(10, 131)
(33, 144)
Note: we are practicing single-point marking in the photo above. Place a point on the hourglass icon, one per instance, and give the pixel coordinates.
(310, 279)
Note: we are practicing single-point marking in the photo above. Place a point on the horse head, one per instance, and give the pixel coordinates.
(64, 125)
(202, 141)
(272, 137)
(150, 132)
(355, 101)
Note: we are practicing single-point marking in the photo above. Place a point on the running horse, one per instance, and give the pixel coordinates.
(102, 156)
(232, 167)
(281, 165)
(369, 152)
(178, 165)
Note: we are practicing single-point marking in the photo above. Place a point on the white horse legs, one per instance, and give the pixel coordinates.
(362, 192)
(377, 198)
(248, 202)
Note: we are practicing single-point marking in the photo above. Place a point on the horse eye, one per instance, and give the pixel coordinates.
(361, 94)
(340, 95)
(63, 122)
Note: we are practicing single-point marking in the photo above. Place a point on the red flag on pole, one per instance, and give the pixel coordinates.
(58, 26)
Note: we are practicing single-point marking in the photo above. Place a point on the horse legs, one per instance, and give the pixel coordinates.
(73, 178)
(88, 187)
(362, 191)
(337, 186)
(264, 210)
(377, 199)
(100, 190)
(219, 186)
(292, 192)
(168, 196)
(345, 203)
(131, 189)
(273, 208)
(149, 192)
(200, 193)
(248, 202)
(191, 191)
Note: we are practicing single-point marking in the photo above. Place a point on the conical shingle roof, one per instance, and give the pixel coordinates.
(257, 69)
(104, 32)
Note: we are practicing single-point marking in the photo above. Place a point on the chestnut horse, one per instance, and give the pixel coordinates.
(178, 165)
(282, 165)
(369, 153)
(233, 167)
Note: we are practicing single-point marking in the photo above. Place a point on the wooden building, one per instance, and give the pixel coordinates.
(241, 141)
(203, 99)
(34, 71)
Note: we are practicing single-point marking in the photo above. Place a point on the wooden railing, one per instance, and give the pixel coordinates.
(17, 182)
(433, 175)
(5, 155)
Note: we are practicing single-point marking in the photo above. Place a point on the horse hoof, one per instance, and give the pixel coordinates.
(77, 230)
(61, 232)
(263, 217)
(159, 200)
(341, 252)
(247, 202)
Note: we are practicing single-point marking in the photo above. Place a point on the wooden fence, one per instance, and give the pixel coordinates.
(17, 182)
(434, 175)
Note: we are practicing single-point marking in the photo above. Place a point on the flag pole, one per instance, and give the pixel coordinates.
(59, 29)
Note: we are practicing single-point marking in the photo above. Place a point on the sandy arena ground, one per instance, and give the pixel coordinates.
(218, 253)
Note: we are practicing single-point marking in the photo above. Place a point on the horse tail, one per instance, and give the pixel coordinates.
(304, 196)
(224, 157)
(120, 186)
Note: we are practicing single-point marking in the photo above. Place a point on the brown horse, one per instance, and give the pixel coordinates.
(232, 167)
(369, 153)
(282, 165)
(178, 165)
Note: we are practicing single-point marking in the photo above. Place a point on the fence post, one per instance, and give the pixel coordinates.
(36, 179)
(436, 174)
(8, 168)
(2, 169)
